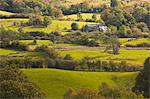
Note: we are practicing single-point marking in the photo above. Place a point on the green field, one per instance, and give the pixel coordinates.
(56, 82)
(9, 22)
(136, 57)
(38, 42)
(4, 13)
(133, 57)
(138, 41)
(7, 51)
(124, 40)
(56, 25)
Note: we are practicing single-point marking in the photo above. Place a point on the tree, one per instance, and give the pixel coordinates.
(70, 94)
(142, 85)
(74, 26)
(124, 31)
(114, 17)
(34, 42)
(142, 26)
(20, 29)
(108, 92)
(94, 18)
(8, 36)
(36, 20)
(79, 16)
(57, 12)
(46, 21)
(139, 14)
(114, 3)
(130, 19)
(81, 94)
(113, 44)
(15, 85)
(68, 57)
(37, 10)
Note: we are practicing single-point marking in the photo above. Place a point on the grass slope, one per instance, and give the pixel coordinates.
(138, 41)
(6, 51)
(4, 13)
(56, 82)
(136, 57)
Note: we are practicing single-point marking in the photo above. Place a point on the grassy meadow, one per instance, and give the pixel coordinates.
(56, 25)
(135, 57)
(7, 51)
(56, 82)
(131, 56)
(138, 41)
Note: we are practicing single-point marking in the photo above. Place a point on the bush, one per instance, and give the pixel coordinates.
(68, 57)
(41, 48)
(46, 21)
(74, 26)
(36, 20)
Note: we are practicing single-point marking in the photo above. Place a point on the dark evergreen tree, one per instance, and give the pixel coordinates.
(142, 85)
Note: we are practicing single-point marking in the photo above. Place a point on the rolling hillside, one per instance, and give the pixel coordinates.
(56, 82)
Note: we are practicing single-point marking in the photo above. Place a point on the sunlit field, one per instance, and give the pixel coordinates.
(56, 82)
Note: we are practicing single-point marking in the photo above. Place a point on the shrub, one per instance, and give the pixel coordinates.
(46, 21)
(74, 26)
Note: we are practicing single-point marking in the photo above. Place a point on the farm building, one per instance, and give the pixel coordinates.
(95, 27)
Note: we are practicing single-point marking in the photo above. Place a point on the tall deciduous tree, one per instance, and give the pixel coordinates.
(15, 85)
(113, 44)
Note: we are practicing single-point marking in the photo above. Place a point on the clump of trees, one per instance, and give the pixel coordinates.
(113, 43)
(142, 85)
(37, 20)
(53, 60)
(82, 94)
(127, 24)
(87, 64)
(105, 91)
(14, 84)
(9, 39)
